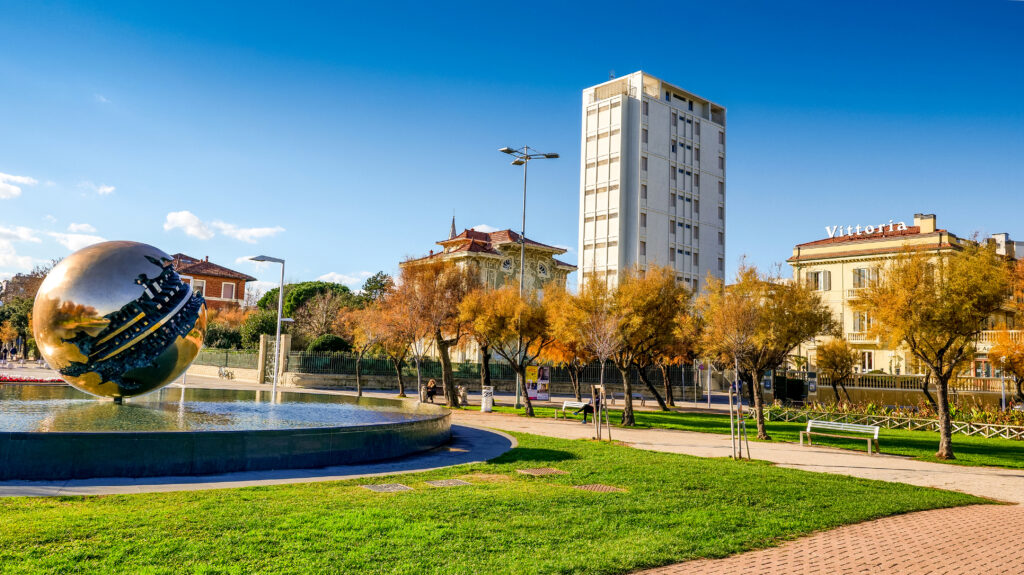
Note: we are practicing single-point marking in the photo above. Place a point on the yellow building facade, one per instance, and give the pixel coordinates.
(851, 256)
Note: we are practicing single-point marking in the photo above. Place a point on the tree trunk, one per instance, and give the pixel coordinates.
(359, 374)
(485, 367)
(419, 379)
(398, 370)
(945, 425)
(1020, 389)
(927, 394)
(650, 386)
(755, 391)
(576, 374)
(668, 386)
(627, 392)
(451, 395)
(527, 404)
(842, 384)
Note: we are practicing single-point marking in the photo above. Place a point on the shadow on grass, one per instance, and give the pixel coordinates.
(534, 454)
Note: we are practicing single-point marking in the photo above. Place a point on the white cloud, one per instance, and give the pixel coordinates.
(18, 233)
(101, 98)
(484, 228)
(75, 242)
(8, 187)
(101, 189)
(9, 257)
(248, 235)
(50, 219)
(81, 228)
(188, 222)
(346, 279)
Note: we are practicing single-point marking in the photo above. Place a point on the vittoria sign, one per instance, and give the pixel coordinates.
(859, 230)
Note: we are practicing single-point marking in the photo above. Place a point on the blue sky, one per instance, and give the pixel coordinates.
(343, 138)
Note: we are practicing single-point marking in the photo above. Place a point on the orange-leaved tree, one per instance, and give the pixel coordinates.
(515, 327)
(755, 323)
(567, 318)
(363, 329)
(435, 291)
(935, 305)
(836, 359)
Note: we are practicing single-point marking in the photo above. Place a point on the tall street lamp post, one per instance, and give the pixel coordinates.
(522, 158)
(280, 310)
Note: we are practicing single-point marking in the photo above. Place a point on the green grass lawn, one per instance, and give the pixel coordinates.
(922, 445)
(674, 508)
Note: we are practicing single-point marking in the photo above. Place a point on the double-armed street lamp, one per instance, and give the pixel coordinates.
(522, 158)
(280, 308)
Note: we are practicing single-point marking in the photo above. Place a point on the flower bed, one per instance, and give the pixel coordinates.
(20, 379)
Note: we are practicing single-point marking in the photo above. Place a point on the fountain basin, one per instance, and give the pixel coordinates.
(52, 432)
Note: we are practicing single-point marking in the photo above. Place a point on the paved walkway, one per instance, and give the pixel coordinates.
(970, 540)
(468, 445)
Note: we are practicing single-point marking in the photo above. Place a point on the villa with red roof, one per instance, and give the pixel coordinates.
(496, 256)
(222, 287)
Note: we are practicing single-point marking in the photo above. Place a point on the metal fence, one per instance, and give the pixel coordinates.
(227, 358)
(345, 364)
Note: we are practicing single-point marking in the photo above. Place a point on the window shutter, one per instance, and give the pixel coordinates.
(828, 281)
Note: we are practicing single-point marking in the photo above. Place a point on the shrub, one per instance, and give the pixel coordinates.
(222, 336)
(329, 343)
(257, 324)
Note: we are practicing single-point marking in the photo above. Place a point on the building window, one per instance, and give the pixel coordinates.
(819, 281)
(696, 180)
(696, 259)
(672, 255)
(227, 290)
(199, 287)
(643, 191)
(672, 228)
(721, 162)
(696, 284)
(643, 134)
(696, 154)
(644, 106)
(721, 137)
(643, 220)
(696, 128)
(721, 212)
(672, 173)
(721, 264)
(721, 188)
(643, 248)
(862, 277)
(867, 361)
(861, 321)
(690, 105)
(643, 163)
(696, 206)
(721, 238)
(696, 232)
(668, 96)
(673, 147)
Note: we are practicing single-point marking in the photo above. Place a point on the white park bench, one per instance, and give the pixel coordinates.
(837, 428)
(570, 405)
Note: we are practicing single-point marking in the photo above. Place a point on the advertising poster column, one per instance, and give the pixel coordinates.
(544, 383)
(531, 382)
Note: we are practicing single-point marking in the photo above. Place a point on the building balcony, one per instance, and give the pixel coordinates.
(860, 337)
(988, 338)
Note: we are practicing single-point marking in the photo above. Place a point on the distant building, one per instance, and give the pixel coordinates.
(652, 181)
(495, 255)
(222, 287)
(852, 256)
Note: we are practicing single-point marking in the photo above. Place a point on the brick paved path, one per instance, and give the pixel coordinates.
(980, 539)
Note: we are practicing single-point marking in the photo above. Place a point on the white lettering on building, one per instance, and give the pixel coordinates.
(859, 230)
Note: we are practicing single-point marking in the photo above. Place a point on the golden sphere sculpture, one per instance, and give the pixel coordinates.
(116, 320)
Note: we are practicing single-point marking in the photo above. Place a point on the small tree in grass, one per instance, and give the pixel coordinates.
(836, 359)
(935, 305)
(569, 348)
(599, 324)
(515, 327)
(364, 329)
(755, 323)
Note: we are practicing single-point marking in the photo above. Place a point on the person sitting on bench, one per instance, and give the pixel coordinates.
(431, 390)
(588, 408)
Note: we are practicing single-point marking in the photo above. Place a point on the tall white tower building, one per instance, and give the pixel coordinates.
(652, 181)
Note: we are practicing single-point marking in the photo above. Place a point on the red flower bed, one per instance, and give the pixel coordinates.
(19, 379)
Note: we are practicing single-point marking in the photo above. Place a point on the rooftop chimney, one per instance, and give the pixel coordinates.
(207, 258)
(926, 222)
